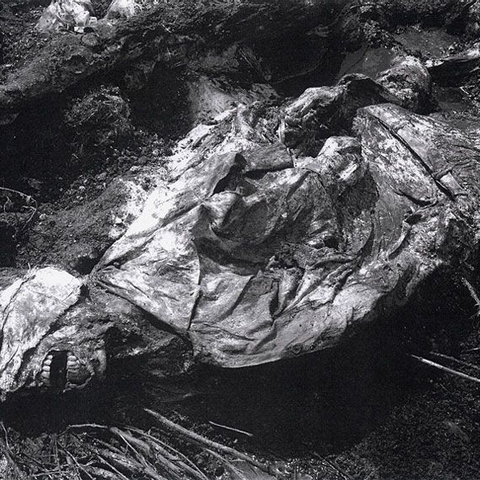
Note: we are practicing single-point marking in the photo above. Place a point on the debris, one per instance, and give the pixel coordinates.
(67, 15)
(456, 431)
(99, 119)
(231, 429)
(205, 442)
(473, 294)
(455, 360)
(453, 66)
(121, 8)
(445, 369)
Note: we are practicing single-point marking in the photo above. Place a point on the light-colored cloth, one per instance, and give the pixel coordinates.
(67, 15)
(121, 8)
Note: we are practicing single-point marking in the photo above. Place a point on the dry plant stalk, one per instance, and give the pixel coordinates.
(205, 442)
(445, 369)
(473, 294)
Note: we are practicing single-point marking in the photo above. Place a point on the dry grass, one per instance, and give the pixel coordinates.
(90, 451)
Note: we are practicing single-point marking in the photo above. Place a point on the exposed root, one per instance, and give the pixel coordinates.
(205, 442)
(94, 452)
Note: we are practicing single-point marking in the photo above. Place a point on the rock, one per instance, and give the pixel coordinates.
(453, 66)
(68, 15)
(121, 8)
(409, 80)
(473, 19)
(324, 111)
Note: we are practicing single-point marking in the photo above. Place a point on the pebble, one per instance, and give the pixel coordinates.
(90, 40)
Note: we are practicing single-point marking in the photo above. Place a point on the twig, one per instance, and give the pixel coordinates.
(473, 294)
(5, 449)
(7, 444)
(136, 444)
(120, 461)
(231, 429)
(114, 468)
(27, 198)
(333, 465)
(101, 473)
(471, 350)
(75, 461)
(30, 218)
(205, 442)
(173, 455)
(456, 360)
(232, 468)
(87, 425)
(445, 369)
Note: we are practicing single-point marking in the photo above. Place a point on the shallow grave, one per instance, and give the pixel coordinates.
(240, 239)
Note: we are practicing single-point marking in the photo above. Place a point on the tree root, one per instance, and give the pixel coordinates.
(205, 442)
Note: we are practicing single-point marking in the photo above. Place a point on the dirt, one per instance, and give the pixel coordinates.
(367, 410)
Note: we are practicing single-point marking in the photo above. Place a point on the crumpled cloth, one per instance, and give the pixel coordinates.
(256, 265)
(67, 15)
(28, 309)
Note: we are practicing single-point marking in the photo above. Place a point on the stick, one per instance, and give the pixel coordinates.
(135, 443)
(75, 461)
(173, 455)
(456, 360)
(334, 465)
(471, 350)
(473, 294)
(231, 429)
(205, 442)
(445, 369)
(87, 425)
(233, 470)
